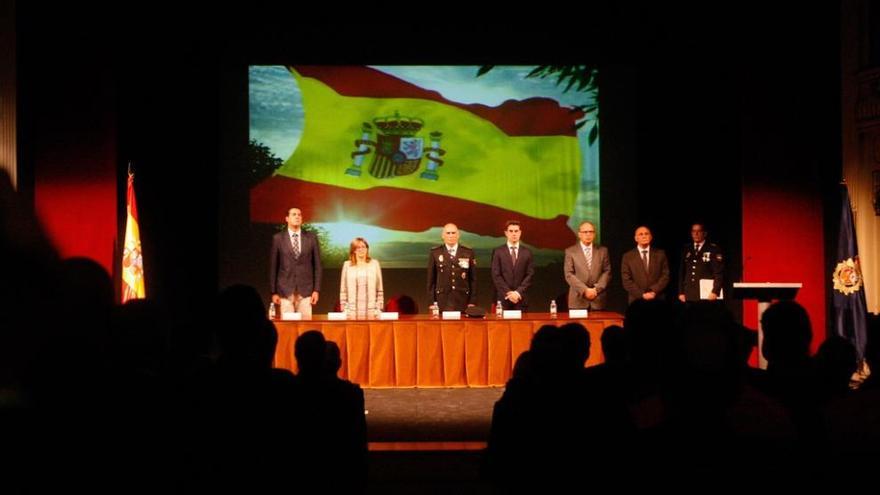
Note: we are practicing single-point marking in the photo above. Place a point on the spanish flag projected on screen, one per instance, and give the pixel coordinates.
(376, 149)
(132, 261)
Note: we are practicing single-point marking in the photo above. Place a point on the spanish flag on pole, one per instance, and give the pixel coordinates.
(132, 261)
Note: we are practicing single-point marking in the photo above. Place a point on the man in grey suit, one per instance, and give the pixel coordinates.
(644, 270)
(587, 270)
(512, 269)
(295, 267)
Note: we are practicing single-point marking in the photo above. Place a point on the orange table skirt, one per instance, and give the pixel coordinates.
(417, 351)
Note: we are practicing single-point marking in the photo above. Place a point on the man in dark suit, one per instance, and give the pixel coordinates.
(587, 270)
(452, 273)
(700, 260)
(512, 269)
(644, 270)
(295, 267)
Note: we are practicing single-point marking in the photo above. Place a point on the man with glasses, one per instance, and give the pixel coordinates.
(701, 260)
(587, 270)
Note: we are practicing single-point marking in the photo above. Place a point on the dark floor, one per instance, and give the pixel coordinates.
(430, 414)
(459, 472)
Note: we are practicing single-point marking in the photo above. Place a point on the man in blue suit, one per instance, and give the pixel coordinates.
(295, 267)
(512, 269)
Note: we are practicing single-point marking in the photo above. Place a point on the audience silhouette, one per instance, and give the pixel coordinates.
(329, 422)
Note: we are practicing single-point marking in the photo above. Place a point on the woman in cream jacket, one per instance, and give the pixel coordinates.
(360, 291)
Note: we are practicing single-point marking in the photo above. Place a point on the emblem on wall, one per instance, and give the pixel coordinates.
(847, 276)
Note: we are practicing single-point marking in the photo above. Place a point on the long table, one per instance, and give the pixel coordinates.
(421, 351)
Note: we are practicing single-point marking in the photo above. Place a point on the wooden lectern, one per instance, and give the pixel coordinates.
(764, 292)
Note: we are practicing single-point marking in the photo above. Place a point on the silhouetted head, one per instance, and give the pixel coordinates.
(523, 366)
(86, 305)
(614, 345)
(140, 334)
(244, 334)
(575, 345)
(787, 332)
(332, 358)
(547, 351)
(836, 360)
(649, 327)
(87, 287)
(712, 341)
(309, 350)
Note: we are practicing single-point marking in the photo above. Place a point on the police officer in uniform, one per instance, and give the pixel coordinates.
(700, 259)
(452, 273)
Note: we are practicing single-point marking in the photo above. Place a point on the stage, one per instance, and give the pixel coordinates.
(419, 351)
